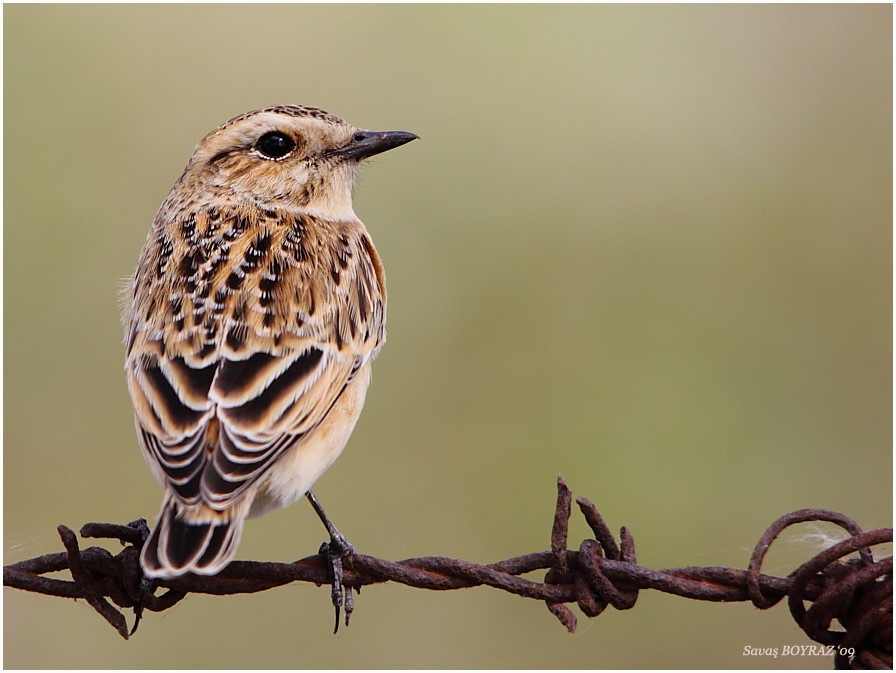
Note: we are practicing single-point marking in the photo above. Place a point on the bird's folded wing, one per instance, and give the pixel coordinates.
(212, 432)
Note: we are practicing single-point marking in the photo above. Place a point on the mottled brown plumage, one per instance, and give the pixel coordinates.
(257, 307)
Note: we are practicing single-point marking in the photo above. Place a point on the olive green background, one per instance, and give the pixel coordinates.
(648, 247)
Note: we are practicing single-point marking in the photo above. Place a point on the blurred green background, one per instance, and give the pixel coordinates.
(648, 247)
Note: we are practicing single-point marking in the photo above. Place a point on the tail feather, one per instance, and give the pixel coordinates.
(177, 546)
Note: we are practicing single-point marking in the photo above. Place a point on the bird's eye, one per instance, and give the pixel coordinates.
(275, 145)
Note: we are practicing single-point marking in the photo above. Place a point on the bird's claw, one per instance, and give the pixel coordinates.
(146, 587)
(337, 549)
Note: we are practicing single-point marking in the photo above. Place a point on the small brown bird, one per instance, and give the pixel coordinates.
(257, 307)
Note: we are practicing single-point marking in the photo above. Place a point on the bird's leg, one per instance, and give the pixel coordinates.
(335, 551)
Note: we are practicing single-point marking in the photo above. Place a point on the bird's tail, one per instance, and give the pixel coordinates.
(181, 543)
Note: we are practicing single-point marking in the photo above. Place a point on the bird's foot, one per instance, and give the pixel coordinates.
(335, 552)
(146, 585)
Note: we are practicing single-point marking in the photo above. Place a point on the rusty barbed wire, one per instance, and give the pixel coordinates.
(855, 592)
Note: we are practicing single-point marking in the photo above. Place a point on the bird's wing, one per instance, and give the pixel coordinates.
(173, 416)
(267, 405)
(211, 433)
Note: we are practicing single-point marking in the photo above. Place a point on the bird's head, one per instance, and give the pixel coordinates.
(288, 157)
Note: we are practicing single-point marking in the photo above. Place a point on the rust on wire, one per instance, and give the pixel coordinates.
(844, 583)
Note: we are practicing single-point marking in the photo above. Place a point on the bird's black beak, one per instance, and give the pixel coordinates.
(367, 143)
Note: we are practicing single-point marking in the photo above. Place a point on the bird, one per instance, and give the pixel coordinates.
(251, 322)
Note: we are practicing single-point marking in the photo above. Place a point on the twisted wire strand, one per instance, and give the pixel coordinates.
(844, 583)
